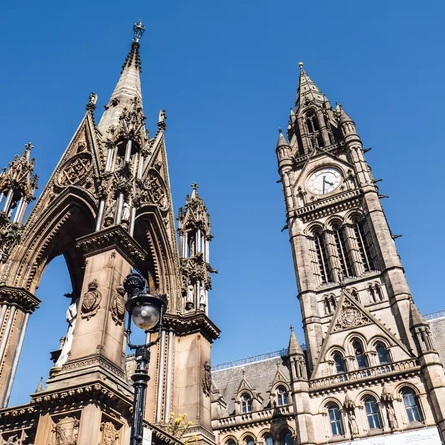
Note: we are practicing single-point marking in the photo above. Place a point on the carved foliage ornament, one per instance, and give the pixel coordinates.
(10, 234)
(151, 191)
(91, 300)
(75, 170)
(350, 317)
(109, 434)
(117, 307)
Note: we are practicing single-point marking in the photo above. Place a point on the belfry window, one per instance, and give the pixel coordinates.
(313, 129)
(282, 398)
(320, 249)
(372, 413)
(359, 354)
(342, 252)
(335, 420)
(363, 246)
(246, 403)
(411, 405)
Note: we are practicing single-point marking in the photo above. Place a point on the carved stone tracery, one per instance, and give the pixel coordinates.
(75, 170)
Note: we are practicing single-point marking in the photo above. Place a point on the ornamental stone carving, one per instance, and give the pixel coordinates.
(117, 307)
(10, 234)
(91, 300)
(65, 431)
(75, 170)
(109, 433)
(151, 191)
(350, 316)
(206, 378)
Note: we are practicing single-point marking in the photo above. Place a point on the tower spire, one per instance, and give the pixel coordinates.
(128, 91)
(307, 91)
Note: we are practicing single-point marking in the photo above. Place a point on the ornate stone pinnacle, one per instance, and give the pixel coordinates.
(29, 146)
(138, 31)
(195, 186)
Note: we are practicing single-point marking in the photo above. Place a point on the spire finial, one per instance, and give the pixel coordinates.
(195, 186)
(292, 328)
(138, 31)
(280, 131)
(301, 64)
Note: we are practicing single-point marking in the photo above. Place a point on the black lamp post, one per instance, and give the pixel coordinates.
(147, 313)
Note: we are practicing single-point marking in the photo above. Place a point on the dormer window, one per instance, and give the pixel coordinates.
(282, 397)
(246, 403)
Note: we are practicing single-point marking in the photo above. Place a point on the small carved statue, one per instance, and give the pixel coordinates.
(392, 420)
(162, 116)
(202, 298)
(353, 427)
(189, 297)
(71, 316)
(206, 378)
(126, 213)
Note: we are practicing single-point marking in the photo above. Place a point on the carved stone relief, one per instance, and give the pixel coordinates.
(117, 307)
(91, 300)
(10, 234)
(65, 431)
(75, 170)
(350, 317)
(206, 379)
(109, 434)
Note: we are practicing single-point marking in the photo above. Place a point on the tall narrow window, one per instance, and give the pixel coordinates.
(363, 245)
(382, 354)
(372, 413)
(359, 354)
(335, 420)
(268, 440)
(246, 404)
(288, 439)
(282, 398)
(342, 252)
(313, 128)
(411, 405)
(339, 363)
(249, 441)
(322, 257)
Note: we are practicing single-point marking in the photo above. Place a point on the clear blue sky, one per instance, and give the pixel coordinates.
(226, 72)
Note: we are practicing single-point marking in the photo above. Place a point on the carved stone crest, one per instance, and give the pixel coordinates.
(109, 434)
(65, 432)
(206, 379)
(75, 170)
(350, 317)
(91, 300)
(117, 307)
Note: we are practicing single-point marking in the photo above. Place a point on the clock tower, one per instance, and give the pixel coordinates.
(372, 366)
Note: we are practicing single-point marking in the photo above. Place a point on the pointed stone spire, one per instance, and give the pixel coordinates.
(416, 319)
(294, 347)
(128, 88)
(307, 91)
(40, 385)
(282, 142)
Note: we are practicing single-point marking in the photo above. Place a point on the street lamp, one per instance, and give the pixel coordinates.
(147, 313)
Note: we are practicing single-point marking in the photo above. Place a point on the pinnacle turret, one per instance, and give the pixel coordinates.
(294, 347)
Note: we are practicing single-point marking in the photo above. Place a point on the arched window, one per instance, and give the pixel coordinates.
(363, 246)
(335, 420)
(282, 397)
(382, 353)
(322, 258)
(340, 365)
(288, 439)
(313, 128)
(230, 442)
(268, 440)
(246, 403)
(359, 354)
(249, 441)
(372, 413)
(411, 405)
(342, 251)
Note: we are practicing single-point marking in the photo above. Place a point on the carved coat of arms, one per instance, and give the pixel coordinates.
(91, 300)
(117, 307)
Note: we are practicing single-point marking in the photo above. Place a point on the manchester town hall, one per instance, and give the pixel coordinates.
(367, 372)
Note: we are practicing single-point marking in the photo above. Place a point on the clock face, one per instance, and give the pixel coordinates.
(324, 181)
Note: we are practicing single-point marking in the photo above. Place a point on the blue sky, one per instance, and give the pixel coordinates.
(226, 72)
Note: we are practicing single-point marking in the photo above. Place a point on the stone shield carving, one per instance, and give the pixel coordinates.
(117, 307)
(65, 432)
(109, 434)
(91, 300)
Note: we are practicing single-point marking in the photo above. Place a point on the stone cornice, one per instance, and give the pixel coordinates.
(77, 397)
(163, 435)
(113, 237)
(187, 324)
(19, 297)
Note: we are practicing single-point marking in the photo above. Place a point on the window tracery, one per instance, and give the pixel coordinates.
(282, 396)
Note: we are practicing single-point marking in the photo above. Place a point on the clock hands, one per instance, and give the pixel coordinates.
(326, 182)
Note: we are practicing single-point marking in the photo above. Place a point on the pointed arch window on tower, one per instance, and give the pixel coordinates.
(342, 251)
(282, 397)
(322, 258)
(372, 413)
(313, 129)
(360, 356)
(411, 405)
(246, 403)
(363, 246)
(335, 420)
(382, 353)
